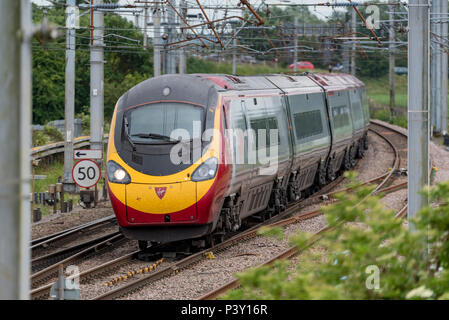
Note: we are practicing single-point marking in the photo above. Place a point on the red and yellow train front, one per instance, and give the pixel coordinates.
(166, 179)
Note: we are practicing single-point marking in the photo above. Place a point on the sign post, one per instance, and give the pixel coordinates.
(86, 154)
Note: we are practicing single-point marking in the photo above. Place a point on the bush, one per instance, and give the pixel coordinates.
(39, 138)
(53, 134)
(365, 240)
(85, 120)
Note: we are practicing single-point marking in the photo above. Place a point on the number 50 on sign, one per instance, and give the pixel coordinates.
(86, 173)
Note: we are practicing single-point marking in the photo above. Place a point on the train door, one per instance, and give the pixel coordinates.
(260, 142)
(238, 140)
(357, 113)
(341, 124)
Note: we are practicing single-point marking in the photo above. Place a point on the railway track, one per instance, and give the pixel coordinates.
(50, 270)
(58, 239)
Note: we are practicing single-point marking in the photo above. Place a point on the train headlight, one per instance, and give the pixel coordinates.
(206, 170)
(116, 174)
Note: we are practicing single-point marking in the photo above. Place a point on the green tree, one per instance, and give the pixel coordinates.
(127, 63)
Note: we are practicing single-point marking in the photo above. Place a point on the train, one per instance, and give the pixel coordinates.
(191, 157)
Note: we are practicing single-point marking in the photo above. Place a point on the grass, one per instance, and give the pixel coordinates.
(378, 90)
(54, 173)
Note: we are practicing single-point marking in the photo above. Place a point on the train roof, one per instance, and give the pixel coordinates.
(331, 81)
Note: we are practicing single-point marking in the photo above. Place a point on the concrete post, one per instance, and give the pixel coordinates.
(391, 57)
(444, 66)
(69, 102)
(418, 105)
(182, 53)
(15, 139)
(295, 60)
(234, 56)
(354, 30)
(438, 50)
(97, 80)
(157, 41)
(145, 29)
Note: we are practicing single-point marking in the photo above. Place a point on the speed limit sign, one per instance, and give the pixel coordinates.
(86, 173)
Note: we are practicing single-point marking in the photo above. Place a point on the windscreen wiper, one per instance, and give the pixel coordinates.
(156, 136)
(128, 136)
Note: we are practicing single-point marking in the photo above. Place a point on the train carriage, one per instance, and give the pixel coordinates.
(192, 156)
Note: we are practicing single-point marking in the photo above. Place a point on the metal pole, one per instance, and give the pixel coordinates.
(157, 41)
(295, 67)
(69, 100)
(97, 80)
(444, 71)
(234, 56)
(418, 106)
(182, 54)
(391, 60)
(15, 139)
(145, 26)
(354, 30)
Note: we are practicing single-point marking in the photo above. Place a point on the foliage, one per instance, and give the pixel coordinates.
(365, 237)
(374, 65)
(196, 65)
(123, 68)
(39, 138)
(85, 120)
(384, 115)
(48, 135)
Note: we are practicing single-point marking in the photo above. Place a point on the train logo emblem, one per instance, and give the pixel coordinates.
(160, 191)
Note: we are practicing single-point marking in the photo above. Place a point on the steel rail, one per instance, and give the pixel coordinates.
(38, 263)
(51, 271)
(47, 240)
(44, 291)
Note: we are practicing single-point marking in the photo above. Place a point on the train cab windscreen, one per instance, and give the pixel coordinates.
(164, 122)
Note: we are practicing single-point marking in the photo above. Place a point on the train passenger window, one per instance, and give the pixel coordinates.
(265, 124)
(308, 124)
(357, 113)
(341, 116)
(273, 124)
(237, 138)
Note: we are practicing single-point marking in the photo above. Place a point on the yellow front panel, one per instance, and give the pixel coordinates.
(177, 196)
